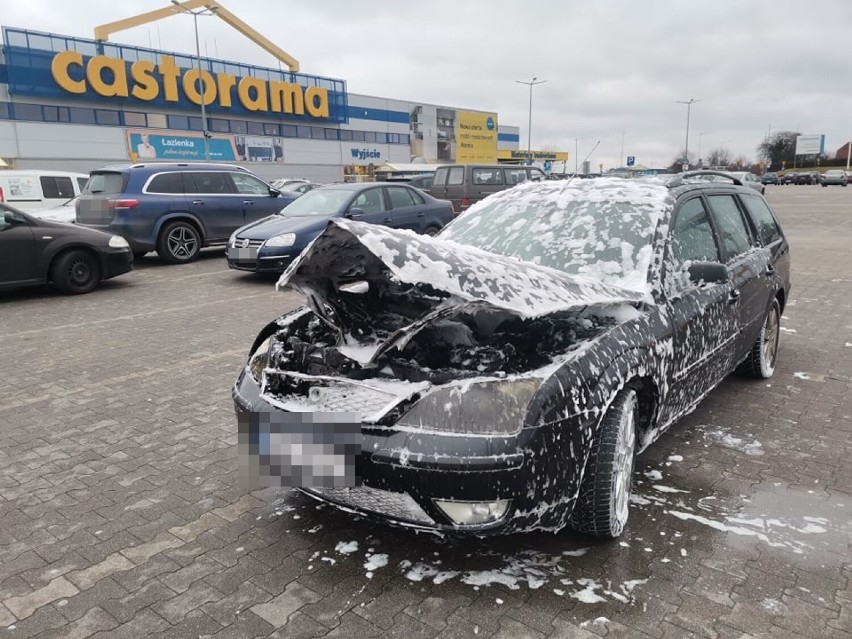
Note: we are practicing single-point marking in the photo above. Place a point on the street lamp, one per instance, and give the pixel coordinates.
(688, 104)
(531, 84)
(199, 84)
(701, 164)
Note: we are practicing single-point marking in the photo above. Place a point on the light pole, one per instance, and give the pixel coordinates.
(701, 164)
(576, 158)
(531, 84)
(199, 84)
(688, 104)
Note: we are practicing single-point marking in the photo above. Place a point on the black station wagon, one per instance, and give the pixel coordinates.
(503, 375)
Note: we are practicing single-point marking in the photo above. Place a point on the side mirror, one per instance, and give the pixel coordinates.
(274, 192)
(707, 273)
(355, 212)
(11, 219)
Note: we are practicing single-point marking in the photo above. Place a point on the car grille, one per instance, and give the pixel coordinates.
(238, 242)
(373, 500)
(335, 396)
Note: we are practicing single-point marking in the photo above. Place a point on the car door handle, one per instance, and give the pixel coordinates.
(734, 297)
(199, 202)
(421, 214)
(247, 202)
(770, 270)
(387, 220)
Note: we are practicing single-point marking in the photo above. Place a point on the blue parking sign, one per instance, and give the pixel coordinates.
(631, 160)
(548, 166)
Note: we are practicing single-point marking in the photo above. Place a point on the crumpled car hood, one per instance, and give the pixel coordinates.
(348, 251)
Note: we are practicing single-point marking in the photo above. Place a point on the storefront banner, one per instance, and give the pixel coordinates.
(476, 138)
(145, 145)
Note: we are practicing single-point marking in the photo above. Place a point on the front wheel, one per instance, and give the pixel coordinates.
(76, 272)
(760, 362)
(179, 243)
(602, 504)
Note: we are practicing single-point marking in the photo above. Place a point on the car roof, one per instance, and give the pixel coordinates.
(356, 186)
(160, 166)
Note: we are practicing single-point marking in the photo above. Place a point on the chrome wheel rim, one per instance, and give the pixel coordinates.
(623, 468)
(182, 242)
(771, 333)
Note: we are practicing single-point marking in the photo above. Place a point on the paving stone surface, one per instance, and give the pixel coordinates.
(122, 515)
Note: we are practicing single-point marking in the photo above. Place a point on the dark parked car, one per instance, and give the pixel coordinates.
(466, 184)
(270, 244)
(769, 178)
(834, 177)
(422, 181)
(807, 177)
(503, 375)
(788, 178)
(34, 251)
(176, 209)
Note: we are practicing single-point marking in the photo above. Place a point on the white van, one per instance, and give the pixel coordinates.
(34, 189)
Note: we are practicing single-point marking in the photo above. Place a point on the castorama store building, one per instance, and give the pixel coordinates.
(78, 104)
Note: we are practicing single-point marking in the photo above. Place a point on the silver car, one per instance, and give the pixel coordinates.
(835, 177)
(750, 179)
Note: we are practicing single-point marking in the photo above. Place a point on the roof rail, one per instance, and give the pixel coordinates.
(681, 178)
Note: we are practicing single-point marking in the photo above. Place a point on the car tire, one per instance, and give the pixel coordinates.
(432, 231)
(760, 362)
(602, 504)
(179, 243)
(75, 272)
(824, 185)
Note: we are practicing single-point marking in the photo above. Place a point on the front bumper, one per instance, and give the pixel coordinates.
(259, 261)
(116, 263)
(402, 473)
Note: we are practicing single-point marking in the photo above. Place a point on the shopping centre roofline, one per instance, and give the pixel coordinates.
(103, 32)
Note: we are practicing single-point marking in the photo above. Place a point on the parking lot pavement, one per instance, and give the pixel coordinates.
(121, 513)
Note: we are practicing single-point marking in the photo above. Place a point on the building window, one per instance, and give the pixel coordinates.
(358, 136)
(255, 128)
(82, 116)
(55, 114)
(345, 135)
(238, 126)
(195, 124)
(317, 132)
(157, 120)
(219, 125)
(271, 129)
(178, 122)
(304, 131)
(331, 134)
(404, 138)
(104, 116)
(289, 131)
(27, 112)
(132, 118)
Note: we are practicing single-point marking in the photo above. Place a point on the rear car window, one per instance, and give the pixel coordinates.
(249, 184)
(440, 177)
(166, 183)
(731, 225)
(57, 187)
(107, 183)
(764, 221)
(400, 197)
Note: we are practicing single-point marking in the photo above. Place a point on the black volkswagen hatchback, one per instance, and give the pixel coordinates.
(502, 376)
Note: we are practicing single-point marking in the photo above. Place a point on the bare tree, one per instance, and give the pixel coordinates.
(719, 157)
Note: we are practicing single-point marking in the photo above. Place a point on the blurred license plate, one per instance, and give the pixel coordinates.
(239, 253)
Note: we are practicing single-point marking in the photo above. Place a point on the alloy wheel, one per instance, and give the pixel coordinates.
(182, 242)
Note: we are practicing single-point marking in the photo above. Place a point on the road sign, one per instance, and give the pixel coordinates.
(548, 166)
(631, 160)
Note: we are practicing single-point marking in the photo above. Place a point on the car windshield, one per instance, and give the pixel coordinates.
(602, 229)
(319, 203)
(291, 186)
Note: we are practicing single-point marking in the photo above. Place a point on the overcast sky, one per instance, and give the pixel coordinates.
(612, 67)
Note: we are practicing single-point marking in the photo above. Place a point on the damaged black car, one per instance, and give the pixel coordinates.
(502, 376)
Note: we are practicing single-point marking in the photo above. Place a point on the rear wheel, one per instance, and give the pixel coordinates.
(76, 272)
(432, 231)
(760, 362)
(602, 505)
(179, 243)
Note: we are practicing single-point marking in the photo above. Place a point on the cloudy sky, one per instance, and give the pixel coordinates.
(613, 67)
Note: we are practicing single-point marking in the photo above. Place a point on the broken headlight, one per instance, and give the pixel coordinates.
(477, 408)
(259, 359)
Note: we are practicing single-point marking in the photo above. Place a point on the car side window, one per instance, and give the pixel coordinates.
(208, 183)
(537, 175)
(57, 187)
(370, 201)
(764, 221)
(399, 197)
(515, 176)
(81, 182)
(440, 177)
(487, 176)
(166, 183)
(418, 198)
(456, 175)
(692, 237)
(249, 185)
(731, 225)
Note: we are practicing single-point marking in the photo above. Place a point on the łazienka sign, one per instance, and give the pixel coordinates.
(146, 81)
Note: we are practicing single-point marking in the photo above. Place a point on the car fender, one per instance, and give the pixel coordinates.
(178, 215)
(62, 244)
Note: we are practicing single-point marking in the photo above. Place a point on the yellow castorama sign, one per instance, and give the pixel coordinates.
(147, 80)
(476, 137)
